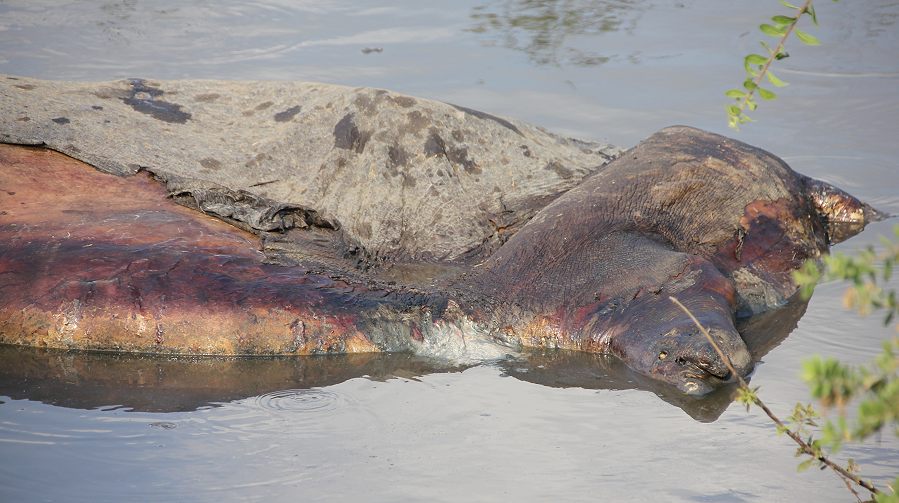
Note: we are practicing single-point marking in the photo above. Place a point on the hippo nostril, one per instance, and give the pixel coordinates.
(719, 371)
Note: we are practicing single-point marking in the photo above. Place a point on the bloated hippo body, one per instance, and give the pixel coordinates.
(371, 221)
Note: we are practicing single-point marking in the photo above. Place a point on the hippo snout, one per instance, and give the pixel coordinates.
(685, 358)
(700, 355)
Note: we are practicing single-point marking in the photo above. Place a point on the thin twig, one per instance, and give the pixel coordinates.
(773, 55)
(804, 447)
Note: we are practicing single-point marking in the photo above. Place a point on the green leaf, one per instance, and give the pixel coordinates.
(789, 5)
(749, 85)
(755, 59)
(805, 465)
(734, 111)
(766, 94)
(774, 31)
(735, 94)
(783, 19)
(806, 38)
(776, 82)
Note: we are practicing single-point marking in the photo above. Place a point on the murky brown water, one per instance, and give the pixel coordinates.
(395, 428)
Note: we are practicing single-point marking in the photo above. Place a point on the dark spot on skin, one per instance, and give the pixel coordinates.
(207, 97)
(486, 116)
(26, 87)
(23, 119)
(264, 105)
(408, 180)
(211, 164)
(403, 101)
(560, 170)
(460, 156)
(417, 122)
(396, 156)
(143, 98)
(97, 107)
(287, 114)
(434, 145)
(61, 120)
(365, 104)
(347, 135)
(341, 162)
(525, 151)
(458, 136)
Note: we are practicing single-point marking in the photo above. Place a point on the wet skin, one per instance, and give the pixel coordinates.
(94, 261)
(154, 383)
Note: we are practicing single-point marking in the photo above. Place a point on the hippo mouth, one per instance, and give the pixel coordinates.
(699, 379)
(697, 369)
(702, 369)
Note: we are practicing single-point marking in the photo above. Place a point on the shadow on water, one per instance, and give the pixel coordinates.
(150, 383)
(548, 31)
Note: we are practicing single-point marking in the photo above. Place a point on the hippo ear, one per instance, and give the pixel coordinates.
(841, 214)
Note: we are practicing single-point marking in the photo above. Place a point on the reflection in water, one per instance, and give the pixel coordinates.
(293, 384)
(174, 383)
(572, 369)
(566, 369)
(548, 30)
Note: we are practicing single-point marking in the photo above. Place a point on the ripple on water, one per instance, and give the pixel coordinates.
(298, 412)
(300, 400)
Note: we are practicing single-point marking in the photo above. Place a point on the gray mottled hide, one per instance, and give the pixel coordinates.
(394, 177)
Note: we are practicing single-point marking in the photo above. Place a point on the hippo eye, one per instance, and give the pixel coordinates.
(663, 355)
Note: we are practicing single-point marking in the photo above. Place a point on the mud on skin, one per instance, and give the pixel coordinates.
(711, 221)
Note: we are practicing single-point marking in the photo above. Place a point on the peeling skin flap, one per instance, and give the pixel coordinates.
(388, 171)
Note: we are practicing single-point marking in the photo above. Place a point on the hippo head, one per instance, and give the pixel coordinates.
(678, 353)
(655, 337)
(712, 221)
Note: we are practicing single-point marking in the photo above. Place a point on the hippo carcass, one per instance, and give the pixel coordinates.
(364, 220)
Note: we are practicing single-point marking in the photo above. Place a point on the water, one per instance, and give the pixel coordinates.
(396, 428)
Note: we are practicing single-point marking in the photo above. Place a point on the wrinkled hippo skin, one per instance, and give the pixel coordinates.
(92, 260)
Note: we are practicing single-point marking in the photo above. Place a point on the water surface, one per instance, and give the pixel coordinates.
(395, 428)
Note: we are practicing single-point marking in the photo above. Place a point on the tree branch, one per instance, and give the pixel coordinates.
(803, 445)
